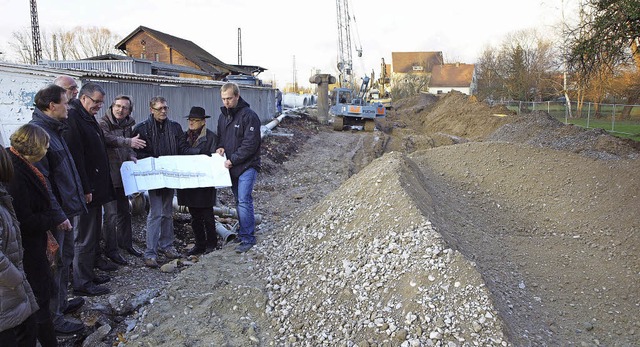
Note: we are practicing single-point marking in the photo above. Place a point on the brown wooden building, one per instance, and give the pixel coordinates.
(150, 44)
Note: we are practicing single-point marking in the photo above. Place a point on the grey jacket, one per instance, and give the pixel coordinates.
(17, 301)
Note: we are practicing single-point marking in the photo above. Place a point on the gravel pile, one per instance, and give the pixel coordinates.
(364, 267)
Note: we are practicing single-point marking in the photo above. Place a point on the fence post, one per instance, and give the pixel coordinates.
(588, 115)
(613, 118)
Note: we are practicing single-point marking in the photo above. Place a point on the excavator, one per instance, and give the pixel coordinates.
(350, 107)
(380, 92)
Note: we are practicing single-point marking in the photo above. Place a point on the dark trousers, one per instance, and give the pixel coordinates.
(22, 335)
(46, 331)
(203, 224)
(87, 235)
(116, 231)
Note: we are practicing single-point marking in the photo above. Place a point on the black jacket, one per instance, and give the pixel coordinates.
(206, 196)
(239, 135)
(165, 138)
(117, 137)
(36, 217)
(60, 170)
(87, 145)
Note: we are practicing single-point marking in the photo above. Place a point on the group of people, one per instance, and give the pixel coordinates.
(61, 193)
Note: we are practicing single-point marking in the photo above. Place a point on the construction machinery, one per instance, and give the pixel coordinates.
(380, 91)
(349, 107)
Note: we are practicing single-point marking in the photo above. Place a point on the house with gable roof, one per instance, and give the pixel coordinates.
(447, 77)
(149, 44)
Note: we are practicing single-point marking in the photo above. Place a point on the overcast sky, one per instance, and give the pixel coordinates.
(276, 31)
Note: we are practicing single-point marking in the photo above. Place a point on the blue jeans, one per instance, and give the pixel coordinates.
(242, 188)
(159, 221)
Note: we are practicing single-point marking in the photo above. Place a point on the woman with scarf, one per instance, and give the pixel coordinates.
(17, 302)
(200, 201)
(29, 144)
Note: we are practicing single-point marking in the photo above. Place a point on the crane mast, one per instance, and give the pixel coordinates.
(345, 61)
(35, 33)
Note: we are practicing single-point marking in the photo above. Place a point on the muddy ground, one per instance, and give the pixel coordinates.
(453, 224)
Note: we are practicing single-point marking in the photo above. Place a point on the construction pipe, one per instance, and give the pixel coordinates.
(266, 129)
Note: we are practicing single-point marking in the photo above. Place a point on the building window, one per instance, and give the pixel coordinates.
(156, 56)
(143, 56)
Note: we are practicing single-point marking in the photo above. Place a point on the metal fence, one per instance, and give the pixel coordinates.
(616, 118)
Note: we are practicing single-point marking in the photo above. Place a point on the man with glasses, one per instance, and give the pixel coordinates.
(163, 137)
(69, 85)
(87, 145)
(239, 139)
(117, 126)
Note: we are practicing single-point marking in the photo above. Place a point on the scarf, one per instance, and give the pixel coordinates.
(163, 138)
(33, 168)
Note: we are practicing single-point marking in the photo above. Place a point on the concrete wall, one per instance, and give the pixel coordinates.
(19, 84)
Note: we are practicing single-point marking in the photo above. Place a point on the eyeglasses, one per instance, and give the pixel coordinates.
(97, 102)
(161, 108)
(71, 88)
(121, 106)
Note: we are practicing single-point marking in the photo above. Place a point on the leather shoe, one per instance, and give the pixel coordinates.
(151, 262)
(170, 253)
(134, 251)
(101, 279)
(105, 265)
(91, 290)
(73, 305)
(118, 259)
(195, 250)
(68, 327)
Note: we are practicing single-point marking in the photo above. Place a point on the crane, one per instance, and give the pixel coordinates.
(35, 33)
(345, 60)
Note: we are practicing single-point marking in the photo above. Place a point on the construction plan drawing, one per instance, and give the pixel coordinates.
(175, 171)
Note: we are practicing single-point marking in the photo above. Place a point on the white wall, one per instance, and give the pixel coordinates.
(444, 90)
(17, 91)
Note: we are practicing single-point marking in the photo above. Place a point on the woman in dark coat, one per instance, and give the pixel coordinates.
(200, 201)
(17, 303)
(28, 145)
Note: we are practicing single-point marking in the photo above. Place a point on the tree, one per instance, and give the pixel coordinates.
(524, 67)
(601, 46)
(604, 35)
(74, 44)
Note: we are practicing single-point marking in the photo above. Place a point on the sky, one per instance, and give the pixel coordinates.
(294, 39)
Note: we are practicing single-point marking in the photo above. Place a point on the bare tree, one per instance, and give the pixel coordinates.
(74, 44)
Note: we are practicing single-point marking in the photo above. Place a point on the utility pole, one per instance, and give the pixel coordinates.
(295, 76)
(35, 33)
(239, 46)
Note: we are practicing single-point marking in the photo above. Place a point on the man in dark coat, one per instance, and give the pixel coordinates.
(239, 139)
(87, 146)
(200, 201)
(117, 126)
(68, 201)
(163, 137)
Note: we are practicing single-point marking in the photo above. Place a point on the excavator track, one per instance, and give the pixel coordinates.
(338, 123)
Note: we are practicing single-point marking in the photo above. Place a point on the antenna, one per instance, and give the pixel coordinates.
(239, 46)
(35, 33)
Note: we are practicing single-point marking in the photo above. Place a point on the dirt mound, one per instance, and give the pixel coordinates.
(373, 270)
(540, 129)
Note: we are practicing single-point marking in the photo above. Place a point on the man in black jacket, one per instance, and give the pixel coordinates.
(162, 137)
(68, 200)
(239, 139)
(87, 145)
